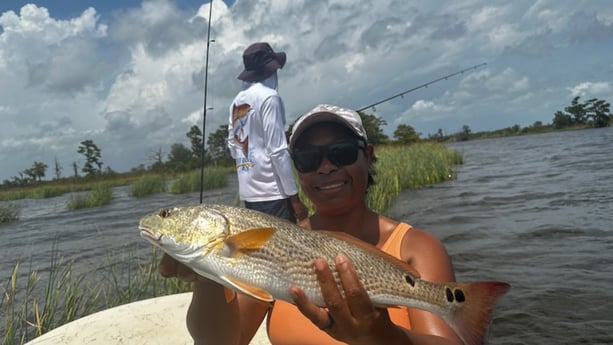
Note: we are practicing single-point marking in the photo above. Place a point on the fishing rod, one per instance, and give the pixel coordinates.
(206, 73)
(421, 86)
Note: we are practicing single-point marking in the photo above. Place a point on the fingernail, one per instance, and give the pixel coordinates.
(293, 293)
(320, 264)
(341, 259)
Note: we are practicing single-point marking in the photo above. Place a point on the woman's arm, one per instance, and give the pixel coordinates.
(213, 317)
(427, 255)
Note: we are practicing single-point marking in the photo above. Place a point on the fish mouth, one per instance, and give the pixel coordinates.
(149, 235)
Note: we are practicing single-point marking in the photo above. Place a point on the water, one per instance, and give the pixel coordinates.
(536, 211)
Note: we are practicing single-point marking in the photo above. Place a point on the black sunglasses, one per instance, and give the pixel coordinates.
(343, 153)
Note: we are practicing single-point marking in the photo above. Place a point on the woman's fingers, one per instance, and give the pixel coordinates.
(356, 296)
(317, 315)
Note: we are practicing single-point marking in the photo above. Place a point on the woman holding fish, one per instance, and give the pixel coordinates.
(334, 161)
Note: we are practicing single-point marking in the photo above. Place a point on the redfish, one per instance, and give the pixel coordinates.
(263, 256)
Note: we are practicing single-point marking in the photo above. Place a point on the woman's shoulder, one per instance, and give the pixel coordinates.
(427, 254)
(420, 238)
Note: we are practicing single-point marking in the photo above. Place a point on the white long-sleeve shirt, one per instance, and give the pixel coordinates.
(257, 141)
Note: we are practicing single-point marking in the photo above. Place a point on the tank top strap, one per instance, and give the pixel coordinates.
(392, 244)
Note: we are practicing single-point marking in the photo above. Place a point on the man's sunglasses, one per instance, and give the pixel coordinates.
(343, 153)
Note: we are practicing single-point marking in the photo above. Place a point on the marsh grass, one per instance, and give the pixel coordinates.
(148, 185)
(65, 297)
(101, 194)
(32, 305)
(9, 213)
(404, 167)
(128, 278)
(53, 189)
(50, 189)
(214, 177)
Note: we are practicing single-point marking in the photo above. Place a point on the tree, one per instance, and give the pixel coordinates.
(464, 133)
(35, 173)
(218, 148)
(156, 157)
(595, 111)
(180, 158)
(438, 136)
(93, 165)
(372, 125)
(39, 169)
(75, 170)
(195, 138)
(58, 170)
(561, 120)
(406, 134)
(577, 111)
(598, 112)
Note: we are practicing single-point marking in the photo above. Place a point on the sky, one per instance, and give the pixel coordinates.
(129, 74)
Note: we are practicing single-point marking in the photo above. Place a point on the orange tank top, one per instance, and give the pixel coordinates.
(287, 326)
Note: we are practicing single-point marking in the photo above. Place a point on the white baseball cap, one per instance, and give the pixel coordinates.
(328, 113)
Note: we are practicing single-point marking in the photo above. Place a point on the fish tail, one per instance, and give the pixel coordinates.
(471, 321)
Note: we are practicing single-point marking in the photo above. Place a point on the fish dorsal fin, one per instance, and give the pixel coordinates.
(251, 239)
(249, 290)
(371, 249)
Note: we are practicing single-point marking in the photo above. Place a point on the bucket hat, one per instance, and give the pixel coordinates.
(260, 62)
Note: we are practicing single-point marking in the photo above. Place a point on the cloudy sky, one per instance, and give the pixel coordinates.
(129, 74)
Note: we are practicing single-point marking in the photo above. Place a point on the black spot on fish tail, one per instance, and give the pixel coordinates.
(409, 280)
(459, 295)
(449, 294)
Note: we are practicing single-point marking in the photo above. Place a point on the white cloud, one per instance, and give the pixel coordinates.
(592, 89)
(133, 81)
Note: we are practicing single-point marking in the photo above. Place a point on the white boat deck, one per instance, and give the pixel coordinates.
(155, 321)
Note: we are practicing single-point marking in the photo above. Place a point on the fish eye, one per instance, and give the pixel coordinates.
(165, 213)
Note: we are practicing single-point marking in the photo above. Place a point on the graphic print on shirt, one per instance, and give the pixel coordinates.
(240, 128)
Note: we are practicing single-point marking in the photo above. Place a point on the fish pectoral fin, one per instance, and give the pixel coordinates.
(229, 294)
(247, 240)
(249, 289)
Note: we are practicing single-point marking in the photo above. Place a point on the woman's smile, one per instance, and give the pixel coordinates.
(331, 186)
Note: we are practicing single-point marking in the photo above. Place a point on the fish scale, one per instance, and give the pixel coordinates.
(263, 256)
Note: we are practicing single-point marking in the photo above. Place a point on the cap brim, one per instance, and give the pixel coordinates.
(315, 118)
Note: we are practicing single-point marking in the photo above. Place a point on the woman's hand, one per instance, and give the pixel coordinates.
(351, 318)
(170, 267)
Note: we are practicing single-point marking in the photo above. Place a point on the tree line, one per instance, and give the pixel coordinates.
(181, 158)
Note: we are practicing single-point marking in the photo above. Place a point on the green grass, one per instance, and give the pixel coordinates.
(9, 213)
(49, 189)
(148, 185)
(33, 305)
(214, 177)
(101, 194)
(142, 185)
(403, 167)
